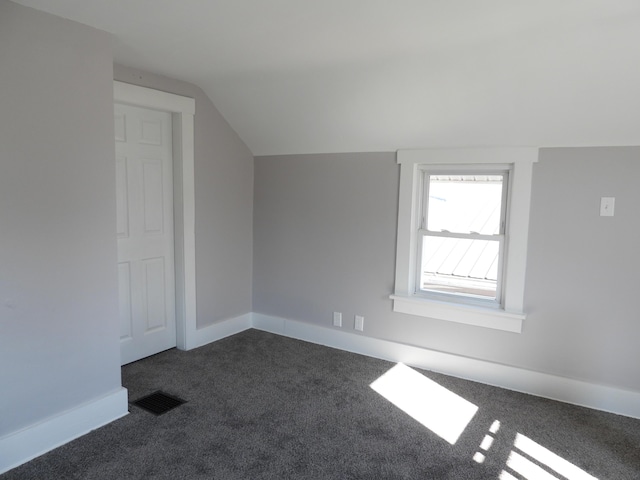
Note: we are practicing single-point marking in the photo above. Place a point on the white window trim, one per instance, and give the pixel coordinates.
(510, 315)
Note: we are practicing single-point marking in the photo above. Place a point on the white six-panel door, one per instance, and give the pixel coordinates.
(144, 199)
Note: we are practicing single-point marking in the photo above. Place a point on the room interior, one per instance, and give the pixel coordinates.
(299, 113)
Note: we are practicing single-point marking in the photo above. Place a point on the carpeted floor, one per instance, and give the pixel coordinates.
(261, 406)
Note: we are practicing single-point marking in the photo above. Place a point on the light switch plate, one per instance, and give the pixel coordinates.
(607, 205)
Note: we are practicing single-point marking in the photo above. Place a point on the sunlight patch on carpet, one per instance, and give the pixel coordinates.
(542, 459)
(440, 410)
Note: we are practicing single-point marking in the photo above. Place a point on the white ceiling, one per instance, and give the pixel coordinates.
(310, 76)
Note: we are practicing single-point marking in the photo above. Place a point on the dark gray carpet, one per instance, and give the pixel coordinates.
(261, 406)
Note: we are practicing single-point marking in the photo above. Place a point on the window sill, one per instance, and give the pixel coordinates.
(459, 313)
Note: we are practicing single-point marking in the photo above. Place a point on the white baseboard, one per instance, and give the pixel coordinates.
(576, 392)
(220, 330)
(28, 443)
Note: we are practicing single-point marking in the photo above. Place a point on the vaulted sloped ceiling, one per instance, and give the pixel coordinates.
(309, 76)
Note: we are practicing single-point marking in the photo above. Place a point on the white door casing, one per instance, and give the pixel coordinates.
(182, 110)
(144, 193)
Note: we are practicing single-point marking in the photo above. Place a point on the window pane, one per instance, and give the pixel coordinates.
(465, 203)
(461, 266)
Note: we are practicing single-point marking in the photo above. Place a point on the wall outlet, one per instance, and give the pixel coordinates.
(337, 319)
(359, 323)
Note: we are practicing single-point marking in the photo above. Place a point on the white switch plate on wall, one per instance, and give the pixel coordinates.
(607, 205)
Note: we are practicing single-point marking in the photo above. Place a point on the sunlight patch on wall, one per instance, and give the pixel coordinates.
(440, 410)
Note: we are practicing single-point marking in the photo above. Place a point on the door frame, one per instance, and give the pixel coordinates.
(182, 110)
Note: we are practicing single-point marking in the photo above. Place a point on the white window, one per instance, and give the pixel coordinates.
(462, 235)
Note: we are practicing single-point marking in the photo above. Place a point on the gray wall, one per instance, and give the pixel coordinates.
(224, 204)
(58, 285)
(324, 241)
(324, 236)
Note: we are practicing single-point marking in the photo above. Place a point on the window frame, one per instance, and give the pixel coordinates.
(425, 172)
(509, 314)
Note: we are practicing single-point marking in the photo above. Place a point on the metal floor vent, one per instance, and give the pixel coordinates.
(159, 402)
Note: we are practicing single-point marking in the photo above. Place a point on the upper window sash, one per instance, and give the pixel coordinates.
(427, 171)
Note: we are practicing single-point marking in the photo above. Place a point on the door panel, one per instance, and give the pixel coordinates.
(154, 294)
(153, 195)
(124, 284)
(122, 198)
(144, 202)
